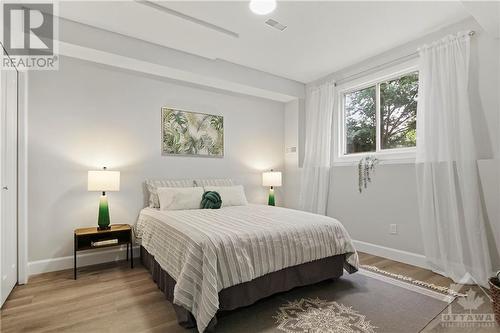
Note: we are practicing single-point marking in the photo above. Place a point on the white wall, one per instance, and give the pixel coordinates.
(291, 176)
(391, 198)
(85, 116)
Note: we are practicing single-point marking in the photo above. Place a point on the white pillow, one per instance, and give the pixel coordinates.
(176, 198)
(230, 195)
(152, 185)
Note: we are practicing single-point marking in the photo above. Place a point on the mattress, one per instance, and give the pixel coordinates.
(206, 250)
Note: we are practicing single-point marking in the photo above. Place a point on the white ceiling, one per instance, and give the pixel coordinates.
(321, 37)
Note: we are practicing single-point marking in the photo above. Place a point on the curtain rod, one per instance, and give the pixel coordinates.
(384, 65)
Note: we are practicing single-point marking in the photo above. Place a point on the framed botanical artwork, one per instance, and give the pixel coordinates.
(186, 133)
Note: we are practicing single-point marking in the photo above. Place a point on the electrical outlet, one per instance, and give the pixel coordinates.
(393, 229)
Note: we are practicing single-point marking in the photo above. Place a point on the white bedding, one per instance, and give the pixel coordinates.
(207, 250)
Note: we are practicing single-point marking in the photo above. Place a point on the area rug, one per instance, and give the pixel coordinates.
(364, 302)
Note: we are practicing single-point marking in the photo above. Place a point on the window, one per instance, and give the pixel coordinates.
(380, 117)
(360, 121)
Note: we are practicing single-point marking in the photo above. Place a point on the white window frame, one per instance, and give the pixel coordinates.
(385, 156)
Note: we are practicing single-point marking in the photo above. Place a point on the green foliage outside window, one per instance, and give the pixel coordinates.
(398, 115)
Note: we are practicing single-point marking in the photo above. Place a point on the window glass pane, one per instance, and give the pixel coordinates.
(398, 112)
(359, 113)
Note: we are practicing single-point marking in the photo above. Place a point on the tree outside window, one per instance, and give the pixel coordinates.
(397, 119)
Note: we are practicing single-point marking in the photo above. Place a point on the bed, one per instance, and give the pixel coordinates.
(208, 261)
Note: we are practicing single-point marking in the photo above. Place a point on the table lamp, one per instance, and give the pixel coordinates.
(102, 181)
(272, 179)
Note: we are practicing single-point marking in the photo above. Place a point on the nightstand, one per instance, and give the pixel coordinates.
(91, 238)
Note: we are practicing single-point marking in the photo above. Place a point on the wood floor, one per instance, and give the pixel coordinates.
(395, 267)
(114, 298)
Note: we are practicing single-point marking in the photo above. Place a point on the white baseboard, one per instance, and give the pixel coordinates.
(84, 259)
(393, 254)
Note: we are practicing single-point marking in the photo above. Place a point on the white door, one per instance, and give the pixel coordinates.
(8, 175)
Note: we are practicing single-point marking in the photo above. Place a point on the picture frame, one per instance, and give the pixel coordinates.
(189, 133)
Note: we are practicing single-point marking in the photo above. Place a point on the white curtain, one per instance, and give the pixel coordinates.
(451, 215)
(315, 176)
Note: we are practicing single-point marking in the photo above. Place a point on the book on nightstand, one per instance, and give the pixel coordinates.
(104, 242)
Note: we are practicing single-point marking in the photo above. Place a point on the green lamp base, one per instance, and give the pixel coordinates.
(270, 201)
(103, 219)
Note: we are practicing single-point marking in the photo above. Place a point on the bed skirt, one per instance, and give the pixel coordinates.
(247, 293)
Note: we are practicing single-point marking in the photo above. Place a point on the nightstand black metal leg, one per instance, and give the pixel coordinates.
(131, 256)
(127, 250)
(74, 260)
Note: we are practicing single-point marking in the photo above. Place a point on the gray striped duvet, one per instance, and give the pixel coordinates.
(207, 250)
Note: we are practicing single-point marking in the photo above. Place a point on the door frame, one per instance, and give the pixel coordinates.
(22, 177)
(16, 176)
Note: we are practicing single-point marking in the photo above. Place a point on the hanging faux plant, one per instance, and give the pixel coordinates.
(366, 168)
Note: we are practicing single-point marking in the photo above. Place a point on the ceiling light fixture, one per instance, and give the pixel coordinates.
(262, 7)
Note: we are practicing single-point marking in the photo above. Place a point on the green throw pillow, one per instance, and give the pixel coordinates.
(211, 200)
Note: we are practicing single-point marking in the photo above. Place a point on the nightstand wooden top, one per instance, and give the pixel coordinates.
(93, 230)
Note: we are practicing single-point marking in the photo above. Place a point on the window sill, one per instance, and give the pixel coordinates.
(383, 158)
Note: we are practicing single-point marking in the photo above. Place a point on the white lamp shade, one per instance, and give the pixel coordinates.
(103, 180)
(271, 178)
